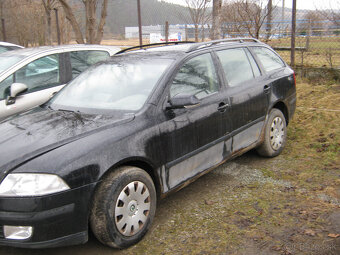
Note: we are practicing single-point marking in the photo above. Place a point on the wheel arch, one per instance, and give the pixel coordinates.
(283, 108)
(139, 162)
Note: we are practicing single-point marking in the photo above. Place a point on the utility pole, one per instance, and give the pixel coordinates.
(216, 26)
(57, 23)
(283, 17)
(292, 52)
(139, 23)
(269, 18)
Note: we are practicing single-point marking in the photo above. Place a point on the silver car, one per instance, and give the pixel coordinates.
(30, 76)
(5, 46)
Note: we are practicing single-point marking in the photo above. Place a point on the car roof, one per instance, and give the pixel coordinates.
(26, 52)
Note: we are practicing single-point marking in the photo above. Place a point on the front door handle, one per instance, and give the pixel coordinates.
(222, 107)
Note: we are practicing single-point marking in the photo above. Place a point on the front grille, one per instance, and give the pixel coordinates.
(2, 235)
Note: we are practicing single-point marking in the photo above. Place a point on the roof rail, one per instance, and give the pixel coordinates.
(152, 45)
(208, 44)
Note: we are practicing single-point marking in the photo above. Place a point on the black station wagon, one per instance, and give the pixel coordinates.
(130, 130)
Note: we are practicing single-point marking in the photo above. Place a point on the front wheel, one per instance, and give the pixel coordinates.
(123, 207)
(275, 135)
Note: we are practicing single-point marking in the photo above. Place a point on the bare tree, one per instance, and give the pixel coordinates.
(49, 5)
(25, 22)
(333, 13)
(248, 15)
(198, 13)
(93, 31)
(2, 20)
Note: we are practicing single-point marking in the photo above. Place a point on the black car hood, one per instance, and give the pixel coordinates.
(39, 131)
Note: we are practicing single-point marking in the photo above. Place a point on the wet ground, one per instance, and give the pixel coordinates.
(239, 208)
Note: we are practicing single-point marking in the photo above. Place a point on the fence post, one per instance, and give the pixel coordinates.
(309, 32)
(3, 28)
(139, 23)
(166, 31)
(57, 24)
(292, 52)
(282, 27)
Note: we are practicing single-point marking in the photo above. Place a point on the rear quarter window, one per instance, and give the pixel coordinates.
(268, 58)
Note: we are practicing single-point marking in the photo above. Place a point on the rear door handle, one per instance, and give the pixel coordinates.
(222, 107)
(266, 89)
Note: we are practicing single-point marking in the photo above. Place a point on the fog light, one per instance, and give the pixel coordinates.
(18, 232)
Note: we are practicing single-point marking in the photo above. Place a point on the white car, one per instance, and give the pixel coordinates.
(5, 46)
(30, 76)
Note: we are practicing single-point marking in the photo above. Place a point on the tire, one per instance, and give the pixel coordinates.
(275, 135)
(123, 207)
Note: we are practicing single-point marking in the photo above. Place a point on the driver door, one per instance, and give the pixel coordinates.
(193, 137)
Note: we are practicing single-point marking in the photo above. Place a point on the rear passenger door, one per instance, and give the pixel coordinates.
(248, 95)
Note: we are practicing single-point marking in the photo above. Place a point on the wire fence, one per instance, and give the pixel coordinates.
(317, 32)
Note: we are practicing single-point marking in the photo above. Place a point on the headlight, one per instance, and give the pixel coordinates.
(31, 185)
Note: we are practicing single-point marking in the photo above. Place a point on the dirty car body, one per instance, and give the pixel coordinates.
(178, 117)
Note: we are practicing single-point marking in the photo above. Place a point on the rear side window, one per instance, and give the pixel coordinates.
(236, 66)
(270, 60)
(196, 77)
(81, 60)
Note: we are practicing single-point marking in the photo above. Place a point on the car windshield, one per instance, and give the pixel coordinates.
(123, 85)
(7, 62)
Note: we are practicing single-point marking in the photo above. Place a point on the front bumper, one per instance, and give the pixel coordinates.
(58, 220)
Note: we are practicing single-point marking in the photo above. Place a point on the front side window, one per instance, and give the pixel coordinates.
(121, 85)
(81, 60)
(40, 74)
(196, 77)
(270, 61)
(236, 66)
(5, 87)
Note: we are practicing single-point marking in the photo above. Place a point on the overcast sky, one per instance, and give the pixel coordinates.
(301, 4)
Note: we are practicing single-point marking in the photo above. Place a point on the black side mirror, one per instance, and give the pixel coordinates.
(15, 90)
(182, 101)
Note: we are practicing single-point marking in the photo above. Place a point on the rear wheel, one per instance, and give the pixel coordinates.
(275, 135)
(123, 207)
